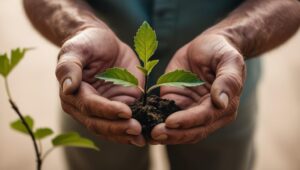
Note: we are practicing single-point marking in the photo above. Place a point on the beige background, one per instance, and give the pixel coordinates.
(34, 88)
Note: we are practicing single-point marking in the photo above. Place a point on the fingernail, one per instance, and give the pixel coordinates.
(132, 132)
(66, 84)
(124, 116)
(173, 125)
(161, 137)
(137, 143)
(224, 98)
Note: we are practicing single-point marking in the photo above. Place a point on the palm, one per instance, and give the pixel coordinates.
(105, 52)
(200, 57)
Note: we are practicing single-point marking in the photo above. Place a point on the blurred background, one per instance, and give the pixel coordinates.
(35, 90)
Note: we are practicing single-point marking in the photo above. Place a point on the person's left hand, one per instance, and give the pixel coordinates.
(208, 107)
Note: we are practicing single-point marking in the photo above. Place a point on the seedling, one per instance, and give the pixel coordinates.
(152, 110)
(25, 123)
(145, 43)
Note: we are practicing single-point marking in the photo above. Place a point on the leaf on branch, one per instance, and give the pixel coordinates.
(73, 139)
(145, 42)
(178, 78)
(7, 65)
(118, 76)
(142, 69)
(150, 65)
(20, 127)
(16, 56)
(41, 133)
(4, 65)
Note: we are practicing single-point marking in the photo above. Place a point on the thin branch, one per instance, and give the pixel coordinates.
(145, 89)
(7, 89)
(40, 147)
(16, 109)
(47, 153)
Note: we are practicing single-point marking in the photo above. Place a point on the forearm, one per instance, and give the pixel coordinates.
(59, 19)
(260, 25)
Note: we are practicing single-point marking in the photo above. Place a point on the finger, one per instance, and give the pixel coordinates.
(87, 101)
(213, 127)
(163, 135)
(113, 127)
(183, 97)
(72, 111)
(129, 138)
(138, 141)
(69, 72)
(230, 75)
(124, 94)
(202, 114)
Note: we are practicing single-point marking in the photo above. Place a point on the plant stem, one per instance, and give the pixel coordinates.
(16, 109)
(7, 89)
(40, 147)
(47, 153)
(145, 89)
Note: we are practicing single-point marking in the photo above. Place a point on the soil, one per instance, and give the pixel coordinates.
(154, 112)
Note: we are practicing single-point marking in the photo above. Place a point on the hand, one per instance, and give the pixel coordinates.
(208, 107)
(100, 107)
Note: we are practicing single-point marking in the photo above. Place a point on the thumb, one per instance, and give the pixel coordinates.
(230, 76)
(69, 73)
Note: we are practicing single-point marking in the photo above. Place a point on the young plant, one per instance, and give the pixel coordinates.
(145, 43)
(25, 123)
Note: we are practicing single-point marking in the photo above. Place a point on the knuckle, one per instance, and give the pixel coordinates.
(91, 125)
(209, 118)
(234, 82)
(203, 134)
(82, 106)
(65, 108)
(75, 46)
(67, 64)
(110, 129)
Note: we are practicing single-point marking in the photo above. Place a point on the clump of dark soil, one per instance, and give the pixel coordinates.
(154, 112)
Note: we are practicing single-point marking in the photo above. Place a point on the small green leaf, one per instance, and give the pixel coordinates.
(41, 133)
(145, 42)
(142, 69)
(19, 126)
(118, 76)
(16, 56)
(7, 65)
(4, 65)
(150, 65)
(73, 139)
(178, 78)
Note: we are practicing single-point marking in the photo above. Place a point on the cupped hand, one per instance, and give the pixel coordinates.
(208, 107)
(99, 106)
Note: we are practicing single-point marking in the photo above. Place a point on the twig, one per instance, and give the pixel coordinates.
(145, 90)
(16, 109)
(47, 153)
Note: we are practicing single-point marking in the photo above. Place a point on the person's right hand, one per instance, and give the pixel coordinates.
(99, 106)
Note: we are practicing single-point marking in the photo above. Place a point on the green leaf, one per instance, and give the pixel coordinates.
(145, 42)
(7, 65)
(4, 65)
(19, 126)
(16, 56)
(73, 139)
(118, 76)
(142, 70)
(178, 78)
(150, 65)
(41, 133)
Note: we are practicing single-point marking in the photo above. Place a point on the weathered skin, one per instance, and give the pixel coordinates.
(217, 56)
